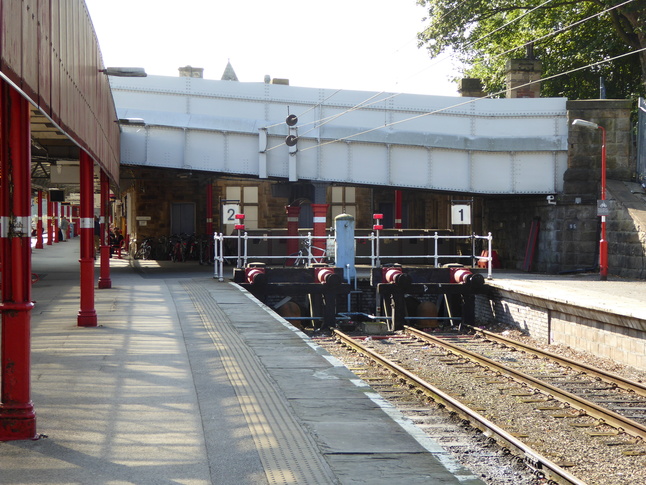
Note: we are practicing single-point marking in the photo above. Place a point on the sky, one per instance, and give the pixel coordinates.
(366, 45)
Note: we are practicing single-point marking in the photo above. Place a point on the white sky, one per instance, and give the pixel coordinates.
(367, 45)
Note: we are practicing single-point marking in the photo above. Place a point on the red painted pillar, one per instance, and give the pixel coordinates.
(17, 416)
(292, 229)
(50, 211)
(68, 216)
(209, 209)
(320, 233)
(76, 219)
(39, 223)
(87, 313)
(398, 209)
(55, 221)
(104, 277)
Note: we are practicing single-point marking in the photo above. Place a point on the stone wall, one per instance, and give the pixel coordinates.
(617, 342)
(626, 230)
(567, 240)
(583, 175)
(570, 228)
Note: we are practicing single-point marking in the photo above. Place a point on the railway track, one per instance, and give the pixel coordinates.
(561, 389)
(418, 358)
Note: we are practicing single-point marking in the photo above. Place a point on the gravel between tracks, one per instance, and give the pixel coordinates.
(598, 460)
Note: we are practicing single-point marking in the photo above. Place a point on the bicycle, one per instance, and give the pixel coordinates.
(307, 255)
(175, 250)
(206, 250)
(145, 249)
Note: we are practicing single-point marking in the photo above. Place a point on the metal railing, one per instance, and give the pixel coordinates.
(241, 257)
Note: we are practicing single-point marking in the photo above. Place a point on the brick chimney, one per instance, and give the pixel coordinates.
(470, 88)
(520, 73)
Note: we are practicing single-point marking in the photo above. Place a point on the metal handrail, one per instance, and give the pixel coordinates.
(242, 257)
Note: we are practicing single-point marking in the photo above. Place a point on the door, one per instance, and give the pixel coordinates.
(182, 218)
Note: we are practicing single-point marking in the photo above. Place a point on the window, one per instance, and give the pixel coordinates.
(248, 197)
(343, 201)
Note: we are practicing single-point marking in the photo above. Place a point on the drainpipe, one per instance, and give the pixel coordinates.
(209, 209)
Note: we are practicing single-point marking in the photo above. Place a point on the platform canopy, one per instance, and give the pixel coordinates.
(50, 53)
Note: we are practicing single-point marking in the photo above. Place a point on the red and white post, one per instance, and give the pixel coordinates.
(319, 231)
(398, 209)
(293, 212)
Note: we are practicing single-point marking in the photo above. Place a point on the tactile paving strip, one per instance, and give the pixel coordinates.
(287, 452)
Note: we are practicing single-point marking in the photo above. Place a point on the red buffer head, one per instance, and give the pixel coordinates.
(466, 277)
(394, 275)
(256, 276)
(327, 276)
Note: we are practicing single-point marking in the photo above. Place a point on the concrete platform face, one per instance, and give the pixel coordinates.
(189, 380)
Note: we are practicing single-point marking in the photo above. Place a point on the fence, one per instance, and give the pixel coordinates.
(309, 253)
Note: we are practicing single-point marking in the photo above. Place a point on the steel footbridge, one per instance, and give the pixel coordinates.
(451, 144)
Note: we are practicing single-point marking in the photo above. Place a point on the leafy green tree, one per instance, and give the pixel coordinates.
(565, 35)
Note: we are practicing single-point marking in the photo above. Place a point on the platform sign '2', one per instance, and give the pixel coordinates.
(229, 212)
(460, 214)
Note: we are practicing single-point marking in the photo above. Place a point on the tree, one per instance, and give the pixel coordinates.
(486, 33)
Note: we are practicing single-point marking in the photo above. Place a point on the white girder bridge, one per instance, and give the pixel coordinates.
(468, 145)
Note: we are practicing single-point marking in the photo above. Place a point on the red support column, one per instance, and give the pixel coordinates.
(50, 228)
(76, 219)
(55, 215)
(104, 277)
(39, 223)
(292, 230)
(320, 233)
(68, 216)
(17, 416)
(209, 209)
(398, 209)
(87, 313)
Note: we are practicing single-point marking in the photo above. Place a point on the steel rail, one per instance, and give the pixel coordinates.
(534, 459)
(592, 371)
(591, 409)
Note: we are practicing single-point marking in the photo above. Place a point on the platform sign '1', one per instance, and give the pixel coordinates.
(460, 214)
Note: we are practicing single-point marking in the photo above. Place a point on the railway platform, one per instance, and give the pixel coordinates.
(188, 380)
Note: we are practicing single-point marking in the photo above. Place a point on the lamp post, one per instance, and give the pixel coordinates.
(603, 242)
